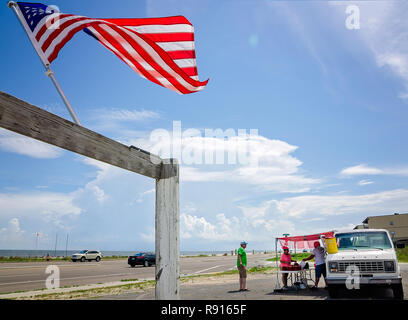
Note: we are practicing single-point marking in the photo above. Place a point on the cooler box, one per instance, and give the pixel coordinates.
(331, 245)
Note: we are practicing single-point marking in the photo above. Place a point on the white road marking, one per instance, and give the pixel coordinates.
(20, 275)
(211, 268)
(62, 279)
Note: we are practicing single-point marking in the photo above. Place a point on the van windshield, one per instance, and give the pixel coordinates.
(363, 240)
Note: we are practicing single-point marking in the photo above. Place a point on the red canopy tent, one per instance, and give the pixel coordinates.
(303, 242)
(298, 242)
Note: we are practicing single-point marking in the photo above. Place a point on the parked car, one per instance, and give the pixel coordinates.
(142, 258)
(370, 252)
(87, 255)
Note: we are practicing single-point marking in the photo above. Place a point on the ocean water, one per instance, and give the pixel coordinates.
(63, 253)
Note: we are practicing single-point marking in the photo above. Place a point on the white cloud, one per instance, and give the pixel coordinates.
(255, 160)
(199, 227)
(347, 227)
(234, 229)
(99, 193)
(384, 28)
(127, 115)
(105, 171)
(50, 207)
(12, 236)
(365, 182)
(330, 205)
(363, 169)
(102, 166)
(255, 212)
(16, 143)
(117, 120)
(142, 195)
(224, 229)
(256, 224)
(360, 169)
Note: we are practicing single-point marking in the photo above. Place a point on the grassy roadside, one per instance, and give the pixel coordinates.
(402, 254)
(89, 293)
(132, 287)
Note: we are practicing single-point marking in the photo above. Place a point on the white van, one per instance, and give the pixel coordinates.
(365, 257)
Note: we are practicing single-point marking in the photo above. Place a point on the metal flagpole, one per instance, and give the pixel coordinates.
(36, 243)
(66, 247)
(56, 240)
(44, 60)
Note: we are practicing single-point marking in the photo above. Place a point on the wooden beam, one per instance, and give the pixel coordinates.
(21, 117)
(167, 232)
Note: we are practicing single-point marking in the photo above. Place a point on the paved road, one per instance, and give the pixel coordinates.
(261, 288)
(30, 276)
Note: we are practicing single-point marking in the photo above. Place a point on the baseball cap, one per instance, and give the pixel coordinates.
(243, 242)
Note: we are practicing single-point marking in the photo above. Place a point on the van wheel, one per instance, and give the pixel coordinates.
(98, 259)
(398, 291)
(146, 263)
(83, 259)
(333, 291)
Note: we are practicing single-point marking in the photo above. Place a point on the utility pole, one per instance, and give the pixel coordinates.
(36, 243)
(66, 247)
(55, 249)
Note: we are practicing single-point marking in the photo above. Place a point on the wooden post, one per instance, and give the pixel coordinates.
(167, 232)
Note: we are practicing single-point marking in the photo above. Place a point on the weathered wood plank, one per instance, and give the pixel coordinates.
(21, 117)
(167, 232)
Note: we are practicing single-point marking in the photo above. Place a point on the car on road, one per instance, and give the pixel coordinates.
(142, 258)
(87, 255)
(365, 257)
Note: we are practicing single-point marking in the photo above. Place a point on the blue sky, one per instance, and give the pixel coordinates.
(329, 104)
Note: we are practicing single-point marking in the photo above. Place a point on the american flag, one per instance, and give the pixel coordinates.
(158, 49)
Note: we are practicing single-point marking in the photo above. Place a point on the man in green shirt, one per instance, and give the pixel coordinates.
(241, 265)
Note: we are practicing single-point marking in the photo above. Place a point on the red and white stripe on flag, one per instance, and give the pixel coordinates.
(158, 49)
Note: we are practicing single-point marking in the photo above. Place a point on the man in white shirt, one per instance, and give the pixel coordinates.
(319, 254)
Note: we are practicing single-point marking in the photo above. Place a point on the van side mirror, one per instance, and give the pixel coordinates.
(400, 245)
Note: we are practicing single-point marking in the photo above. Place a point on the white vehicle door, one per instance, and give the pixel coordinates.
(91, 255)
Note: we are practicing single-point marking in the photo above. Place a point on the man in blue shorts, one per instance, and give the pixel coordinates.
(319, 254)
